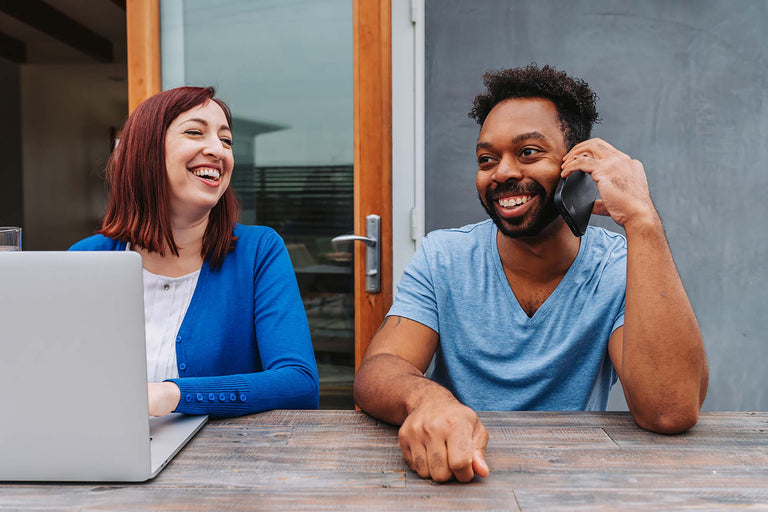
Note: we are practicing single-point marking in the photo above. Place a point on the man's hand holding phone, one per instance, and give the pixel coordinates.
(621, 181)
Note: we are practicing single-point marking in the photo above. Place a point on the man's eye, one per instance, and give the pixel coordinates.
(483, 159)
(529, 151)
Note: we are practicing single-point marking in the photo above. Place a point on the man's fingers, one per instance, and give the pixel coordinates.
(460, 449)
(479, 442)
(438, 461)
(439, 442)
(417, 460)
(592, 146)
(479, 465)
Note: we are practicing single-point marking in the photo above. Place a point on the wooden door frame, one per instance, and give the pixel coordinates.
(372, 29)
(142, 20)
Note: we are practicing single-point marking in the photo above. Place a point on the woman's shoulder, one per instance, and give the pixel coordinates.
(257, 238)
(98, 243)
(255, 234)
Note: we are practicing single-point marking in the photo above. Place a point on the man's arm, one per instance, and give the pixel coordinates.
(658, 354)
(439, 437)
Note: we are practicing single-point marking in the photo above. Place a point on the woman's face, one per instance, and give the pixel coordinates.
(198, 160)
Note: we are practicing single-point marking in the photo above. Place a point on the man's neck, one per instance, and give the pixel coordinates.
(543, 258)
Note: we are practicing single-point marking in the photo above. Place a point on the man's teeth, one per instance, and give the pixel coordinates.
(508, 202)
(207, 173)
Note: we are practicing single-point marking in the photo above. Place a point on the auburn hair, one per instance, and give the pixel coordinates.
(138, 210)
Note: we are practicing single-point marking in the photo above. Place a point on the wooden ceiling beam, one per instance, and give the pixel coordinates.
(13, 49)
(41, 16)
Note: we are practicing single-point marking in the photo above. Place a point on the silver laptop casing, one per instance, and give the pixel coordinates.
(73, 371)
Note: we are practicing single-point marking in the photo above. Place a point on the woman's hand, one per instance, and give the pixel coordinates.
(163, 397)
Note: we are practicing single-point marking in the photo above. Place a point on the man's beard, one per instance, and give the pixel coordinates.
(529, 225)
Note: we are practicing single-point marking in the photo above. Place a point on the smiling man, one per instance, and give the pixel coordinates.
(519, 313)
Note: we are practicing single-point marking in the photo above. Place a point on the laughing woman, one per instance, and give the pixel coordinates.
(226, 331)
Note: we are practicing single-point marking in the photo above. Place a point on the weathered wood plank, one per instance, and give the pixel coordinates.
(453, 497)
(630, 460)
(573, 500)
(554, 437)
(345, 460)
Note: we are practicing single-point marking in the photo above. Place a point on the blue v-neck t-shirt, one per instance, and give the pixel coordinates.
(491, 355)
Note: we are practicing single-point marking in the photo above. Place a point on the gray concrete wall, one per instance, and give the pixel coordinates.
(683, 87)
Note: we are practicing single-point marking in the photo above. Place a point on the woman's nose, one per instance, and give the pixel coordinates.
(213, 147)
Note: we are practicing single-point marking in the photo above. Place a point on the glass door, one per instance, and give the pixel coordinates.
(287, 71)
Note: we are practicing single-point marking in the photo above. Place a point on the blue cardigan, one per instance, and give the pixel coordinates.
(244, 343)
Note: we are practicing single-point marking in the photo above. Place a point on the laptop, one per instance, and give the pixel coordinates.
(73, 372)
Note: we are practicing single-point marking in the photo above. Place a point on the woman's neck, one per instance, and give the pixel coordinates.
(189, 242)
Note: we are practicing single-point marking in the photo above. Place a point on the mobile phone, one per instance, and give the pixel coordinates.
(574, 197)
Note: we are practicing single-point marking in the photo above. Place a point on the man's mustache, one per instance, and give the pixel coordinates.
(516, 188)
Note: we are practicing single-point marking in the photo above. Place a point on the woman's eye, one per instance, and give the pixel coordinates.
(193, 132)
(226, 141)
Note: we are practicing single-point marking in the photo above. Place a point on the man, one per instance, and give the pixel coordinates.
(520, 313)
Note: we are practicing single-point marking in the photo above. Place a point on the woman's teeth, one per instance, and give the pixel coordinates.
(509, 202)
(212, 174)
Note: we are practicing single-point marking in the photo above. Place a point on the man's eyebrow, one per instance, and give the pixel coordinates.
(517, 140)
(530, 135)
(483, 145)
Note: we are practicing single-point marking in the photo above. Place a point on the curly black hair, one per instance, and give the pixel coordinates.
(574, 100)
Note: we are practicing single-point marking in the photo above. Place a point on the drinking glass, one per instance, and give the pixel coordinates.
(10, 239)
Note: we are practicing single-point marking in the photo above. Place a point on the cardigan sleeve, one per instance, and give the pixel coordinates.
(289, 379)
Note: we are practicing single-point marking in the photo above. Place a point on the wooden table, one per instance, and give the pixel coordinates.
(344, 460)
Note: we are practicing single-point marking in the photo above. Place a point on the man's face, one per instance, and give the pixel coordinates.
(519, 152)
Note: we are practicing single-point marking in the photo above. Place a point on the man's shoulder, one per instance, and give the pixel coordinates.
(463, 236)
(606, 243)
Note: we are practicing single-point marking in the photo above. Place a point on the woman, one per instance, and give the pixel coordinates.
(226, 331)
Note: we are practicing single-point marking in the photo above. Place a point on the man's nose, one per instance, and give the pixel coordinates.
(507, 170)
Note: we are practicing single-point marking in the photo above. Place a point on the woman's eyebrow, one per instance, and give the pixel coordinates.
(205, 123)
(195, 120)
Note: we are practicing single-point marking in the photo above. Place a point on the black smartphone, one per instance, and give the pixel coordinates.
(574, 197)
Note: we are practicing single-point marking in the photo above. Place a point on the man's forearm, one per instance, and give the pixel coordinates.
(389, 388)
(664, 369)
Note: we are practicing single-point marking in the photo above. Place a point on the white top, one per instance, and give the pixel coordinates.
(166, 300)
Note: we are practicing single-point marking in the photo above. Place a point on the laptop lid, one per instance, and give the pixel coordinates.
(73, 369)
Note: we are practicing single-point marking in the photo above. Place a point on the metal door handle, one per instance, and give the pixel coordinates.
(372, 252)
(370, 242)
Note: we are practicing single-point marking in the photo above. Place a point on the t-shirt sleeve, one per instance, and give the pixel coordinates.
(619, 321)
(416, 298)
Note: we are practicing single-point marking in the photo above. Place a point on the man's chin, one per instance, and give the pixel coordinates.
(514, 231)
(523, 229)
